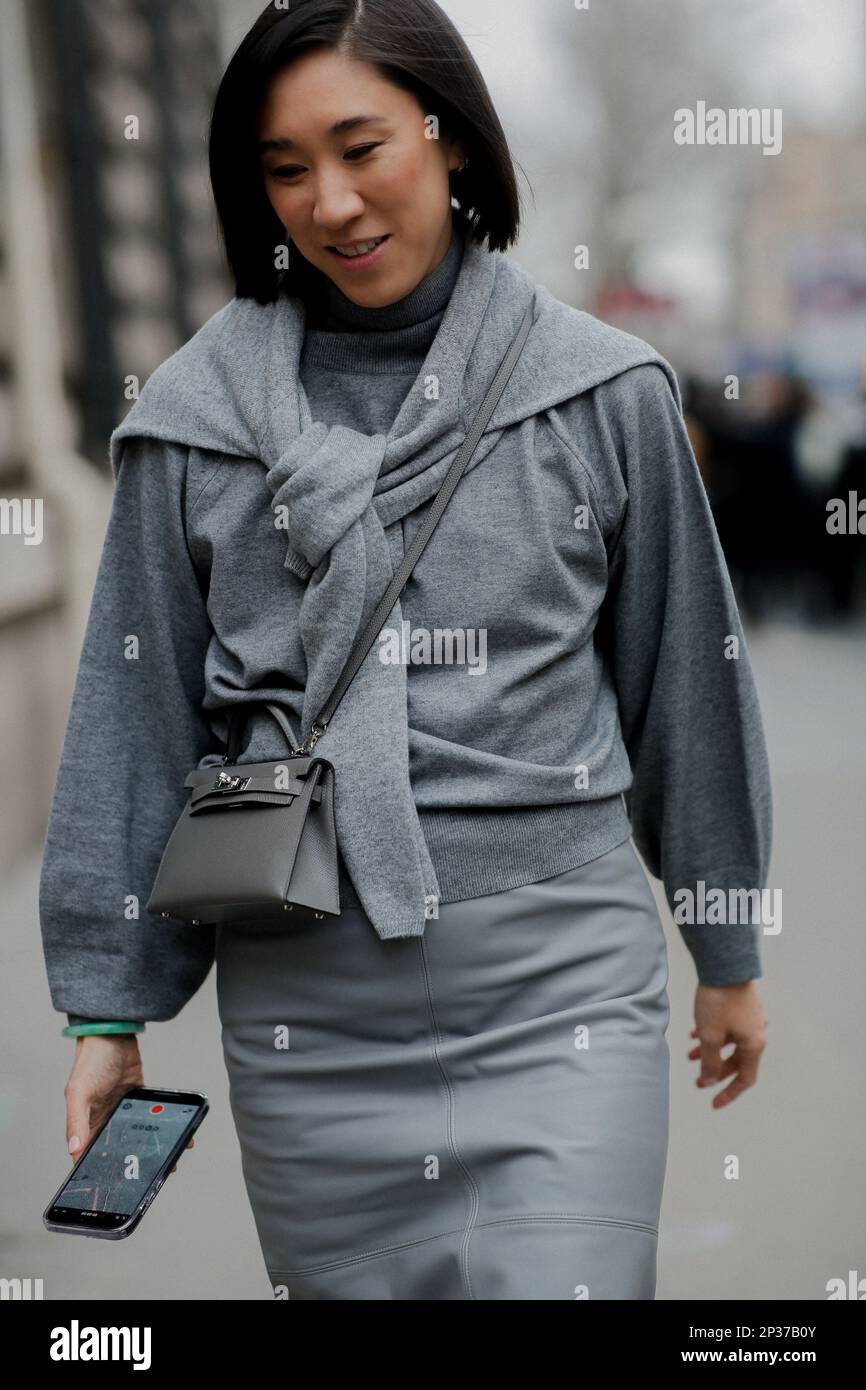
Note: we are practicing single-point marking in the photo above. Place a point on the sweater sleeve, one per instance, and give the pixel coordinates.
(700, 800)
(134, 730)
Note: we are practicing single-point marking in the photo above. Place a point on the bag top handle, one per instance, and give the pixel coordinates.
(237, 723)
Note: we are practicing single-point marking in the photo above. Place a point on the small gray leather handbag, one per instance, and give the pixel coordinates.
(256, 842)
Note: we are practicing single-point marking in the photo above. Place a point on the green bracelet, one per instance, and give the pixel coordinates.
(78, 1030)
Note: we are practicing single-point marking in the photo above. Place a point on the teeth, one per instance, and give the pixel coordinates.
(360, 250)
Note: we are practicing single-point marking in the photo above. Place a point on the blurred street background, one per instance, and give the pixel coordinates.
(746, 268)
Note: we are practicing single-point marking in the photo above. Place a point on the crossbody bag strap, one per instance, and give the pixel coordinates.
(413, 554)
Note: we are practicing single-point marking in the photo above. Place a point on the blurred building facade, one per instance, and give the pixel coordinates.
(109, 260)
(124, 92)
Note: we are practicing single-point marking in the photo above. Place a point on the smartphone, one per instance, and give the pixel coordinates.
(126, 1162)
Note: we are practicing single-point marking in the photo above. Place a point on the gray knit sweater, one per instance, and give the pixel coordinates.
(672, 739)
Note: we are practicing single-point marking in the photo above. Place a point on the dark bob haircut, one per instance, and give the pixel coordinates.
(414, 45)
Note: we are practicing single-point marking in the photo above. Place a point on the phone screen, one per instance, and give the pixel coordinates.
(128, 1152)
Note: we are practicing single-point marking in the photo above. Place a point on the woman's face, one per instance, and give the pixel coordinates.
(377, 176)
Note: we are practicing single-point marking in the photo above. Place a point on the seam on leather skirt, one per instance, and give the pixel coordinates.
(561, 1218)
(452, 1105)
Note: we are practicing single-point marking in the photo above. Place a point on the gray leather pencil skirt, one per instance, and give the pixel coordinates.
(477, 1113)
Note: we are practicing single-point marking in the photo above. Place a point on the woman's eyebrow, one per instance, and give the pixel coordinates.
(347, 123)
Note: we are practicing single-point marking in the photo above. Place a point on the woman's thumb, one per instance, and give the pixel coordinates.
(77, 1125)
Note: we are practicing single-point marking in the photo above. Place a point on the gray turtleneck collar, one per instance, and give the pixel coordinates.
(345, 336)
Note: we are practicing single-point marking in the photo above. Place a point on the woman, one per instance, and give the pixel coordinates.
(457, 1089)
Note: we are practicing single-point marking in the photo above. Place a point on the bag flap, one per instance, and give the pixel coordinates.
(247, 784)
(296, 768)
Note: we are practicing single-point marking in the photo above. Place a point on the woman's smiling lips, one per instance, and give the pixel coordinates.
(360, 262)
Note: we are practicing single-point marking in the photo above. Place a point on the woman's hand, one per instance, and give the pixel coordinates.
(105, 1066)
(728, 1014)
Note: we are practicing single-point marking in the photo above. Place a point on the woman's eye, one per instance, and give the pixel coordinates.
(362, 149)
(290, 171)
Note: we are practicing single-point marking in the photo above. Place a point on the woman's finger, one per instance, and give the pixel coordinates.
(730, 1093)
(745, 1062)
(728, 1068)
(77, 1121)
(190, 1145)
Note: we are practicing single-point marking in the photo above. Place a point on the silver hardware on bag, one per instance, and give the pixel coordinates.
(226, 783)
(310, 741)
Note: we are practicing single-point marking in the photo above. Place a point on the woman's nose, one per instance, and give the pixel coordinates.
(336, 202)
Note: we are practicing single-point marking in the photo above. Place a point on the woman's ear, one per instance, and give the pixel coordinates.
(457, 160)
